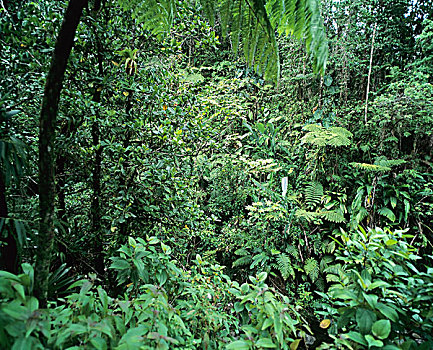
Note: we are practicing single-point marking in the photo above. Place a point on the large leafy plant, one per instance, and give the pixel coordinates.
(382, 296)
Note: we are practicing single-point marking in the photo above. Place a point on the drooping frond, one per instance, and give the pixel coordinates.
(242, 261)
(156, 15)
(251, 24)
(311, 268)
(380, 165)
(370, 167)
(333, 216)
(284, 266)
(301, 18)
(386, 212)
(247, 23)
(310, 216)
(313, 194)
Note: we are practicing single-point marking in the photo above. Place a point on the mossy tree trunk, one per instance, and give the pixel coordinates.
(47, 126)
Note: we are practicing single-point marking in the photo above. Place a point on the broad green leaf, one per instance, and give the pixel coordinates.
(373, 342)
(265, 343)
(371, 299)
(387, 312)
(238, 345)
(99, 343)
(356, 337)
(365, 319)
(381, 329)
(23, 343)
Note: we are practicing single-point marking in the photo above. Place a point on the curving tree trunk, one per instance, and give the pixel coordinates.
(47, 125)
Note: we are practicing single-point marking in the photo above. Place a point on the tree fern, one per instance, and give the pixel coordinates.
(333, 216)
(370, 167)
(319, 136)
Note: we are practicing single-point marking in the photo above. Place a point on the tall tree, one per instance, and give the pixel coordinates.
(47, 125)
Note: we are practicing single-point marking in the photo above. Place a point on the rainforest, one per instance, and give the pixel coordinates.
(216, 174)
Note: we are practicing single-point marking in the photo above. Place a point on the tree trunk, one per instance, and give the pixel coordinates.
(96, 178)
(9, 248)
(50, 103)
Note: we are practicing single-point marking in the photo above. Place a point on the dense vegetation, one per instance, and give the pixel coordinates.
(216, 174)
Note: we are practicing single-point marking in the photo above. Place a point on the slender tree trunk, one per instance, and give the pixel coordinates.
(369, 73)
(50, 103)
(61, 182)
(96, 179)
(9, 248)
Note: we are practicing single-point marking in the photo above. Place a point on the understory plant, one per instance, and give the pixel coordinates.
(382, 293)
(161, 306)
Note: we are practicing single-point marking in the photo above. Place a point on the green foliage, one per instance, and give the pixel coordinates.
(313, 194)
(381, 299)
(319, 136)
(252, 24)
(163, 132)
(284, 265)
(269, 320)
(195, 308)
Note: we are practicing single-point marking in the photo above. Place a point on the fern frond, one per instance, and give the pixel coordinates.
(313, 194)
(156, 15)
(247, 23)
(310, 216)
(311, 268)
(241, 251)
(319, 136)
(389, 162)
(301, 18)
(285, 266)
(293, 251)
(336, 268)
(320, 284)
(333, 216)
(245, 260)
(370, 167)
(251, 23)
